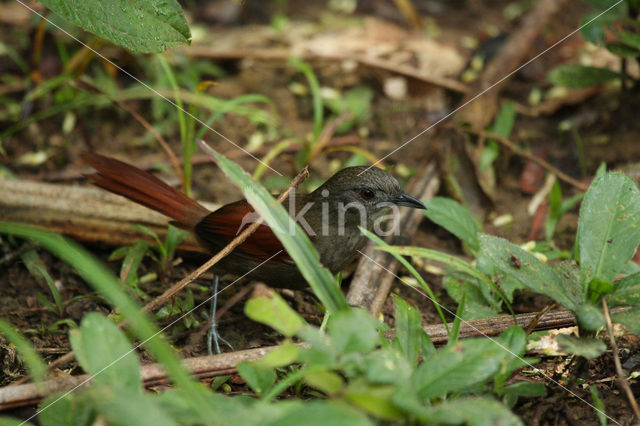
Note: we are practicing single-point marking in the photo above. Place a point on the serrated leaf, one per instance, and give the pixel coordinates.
(454, 218)
(576, 76)
(530, 272)
(139, 25)
(457, 367)
(589, 348)
(609, 227)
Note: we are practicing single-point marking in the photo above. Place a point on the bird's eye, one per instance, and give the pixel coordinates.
(367, 194)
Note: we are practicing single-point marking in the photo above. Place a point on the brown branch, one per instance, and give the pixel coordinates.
(622, 380)
(541, 162)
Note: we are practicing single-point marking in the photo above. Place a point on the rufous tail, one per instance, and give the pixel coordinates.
(144, 188)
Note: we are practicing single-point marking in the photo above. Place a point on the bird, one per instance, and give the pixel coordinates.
(330, 216)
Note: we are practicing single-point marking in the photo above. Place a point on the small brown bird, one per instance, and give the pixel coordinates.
(330, 215)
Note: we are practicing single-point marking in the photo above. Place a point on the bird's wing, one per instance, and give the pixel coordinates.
(224, 224)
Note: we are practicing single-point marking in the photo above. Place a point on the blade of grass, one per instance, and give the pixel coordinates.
(32, 360)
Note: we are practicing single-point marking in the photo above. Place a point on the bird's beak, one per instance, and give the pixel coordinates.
(408, 201)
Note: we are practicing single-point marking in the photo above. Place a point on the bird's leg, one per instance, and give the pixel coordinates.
(213, 338)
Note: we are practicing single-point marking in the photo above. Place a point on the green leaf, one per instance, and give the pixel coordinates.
(598, 405)
(66, 409)
(325, 381)
(505, 120)
(533, 274)
(174, 237)
(471, 412)
(353, 330)
(387, 366)
(526, 389)
(322, 413)
(124, 406)
(477, 297)
(41, 273)
(580, 76)
(104, 352)
(31, 358)
(458, 367)
(131, 263)
(138, 25)
(285, 354)
(609, 227)
(625, 292)
(622, 50)
(272, 310)
(454, 218)
(630, 39)
(629, 318)
(590, 316)
(259, 379)
(408, 329)
(374, 399)
(295, 241)
(587, 347)
(592, 25)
